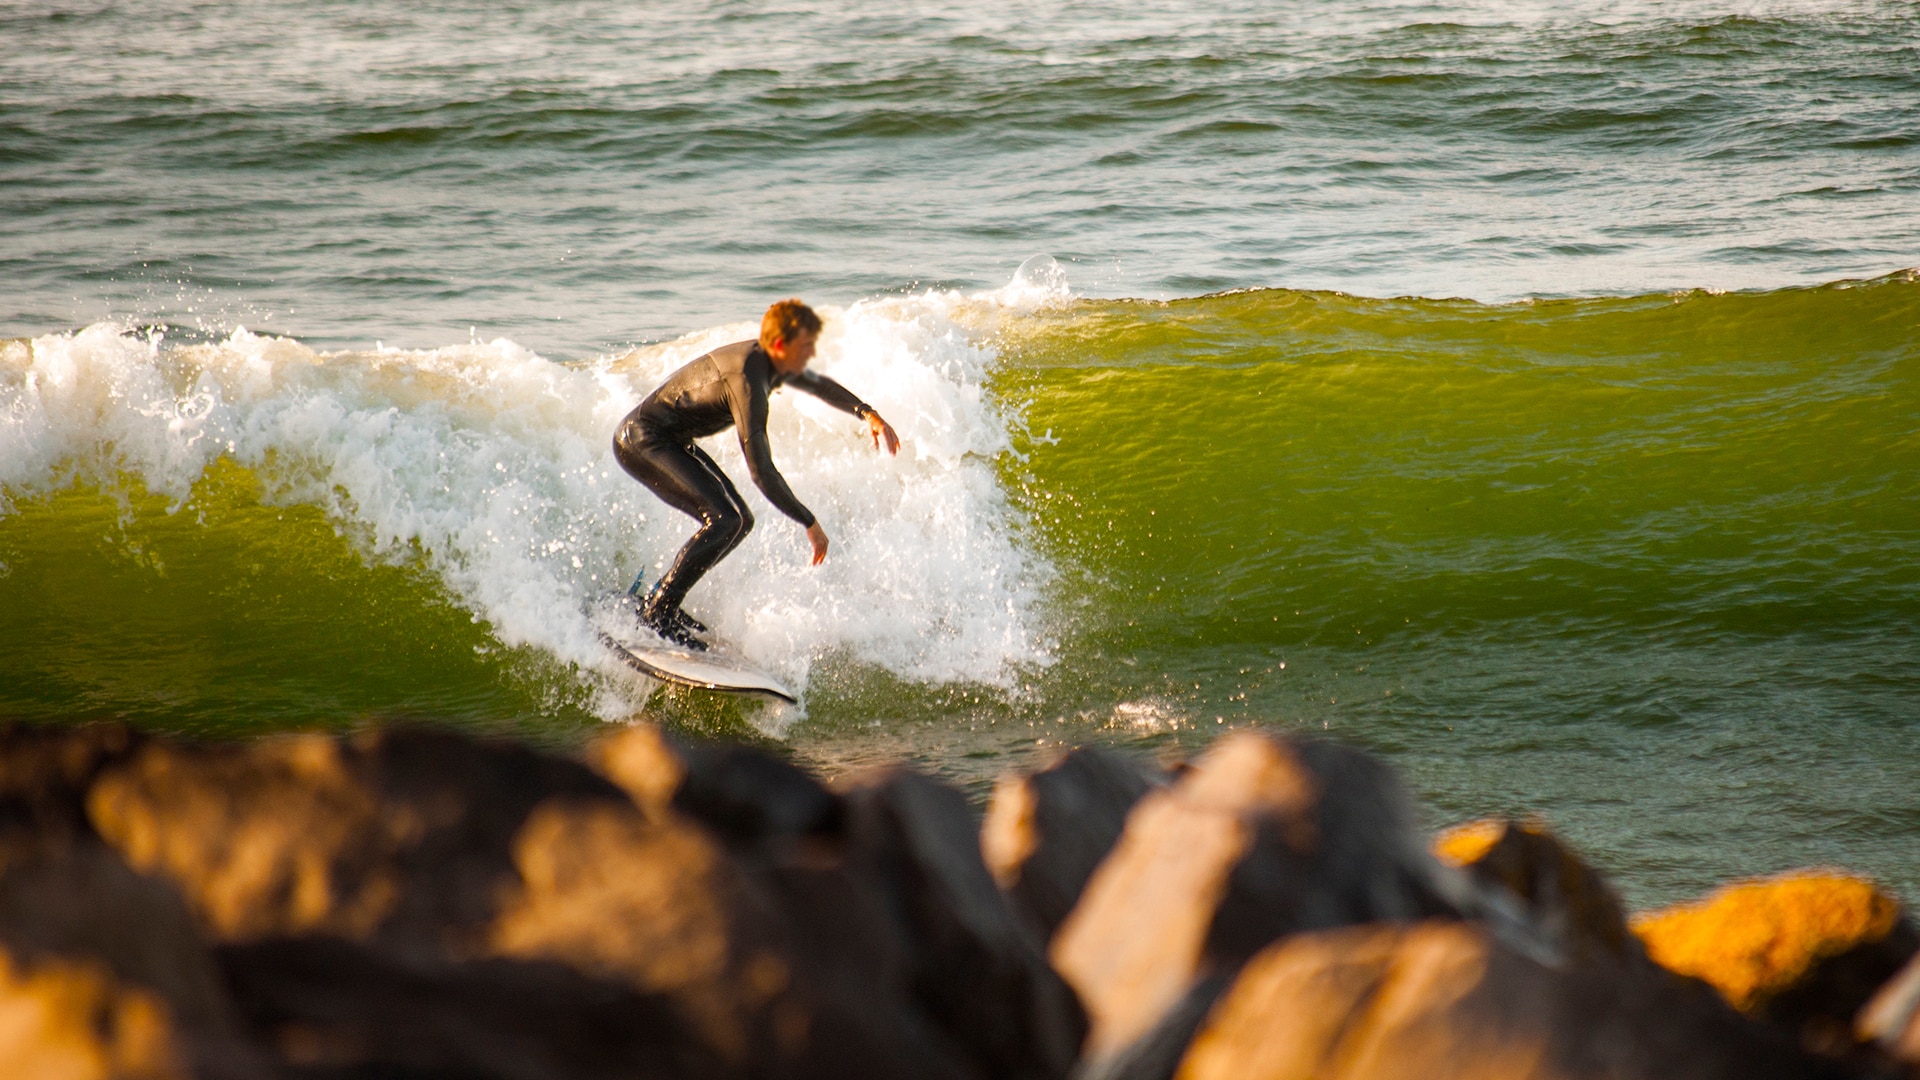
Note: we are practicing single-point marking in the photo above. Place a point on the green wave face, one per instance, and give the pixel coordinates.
(1650, 566)
(1314, 469)
(224, 616)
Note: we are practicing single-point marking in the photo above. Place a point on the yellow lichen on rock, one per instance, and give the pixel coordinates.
(643, 763)
(68, 1020)
(1464, 845)
(282, 839)
(656, 906)
(1754, 939)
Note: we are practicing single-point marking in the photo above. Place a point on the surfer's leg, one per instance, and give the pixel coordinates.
(733, 494)
(685, 478)
(743, 515)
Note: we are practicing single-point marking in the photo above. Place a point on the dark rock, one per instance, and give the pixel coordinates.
(333, 1008)
(975, 966)
(45, 773)
(1570, 903)
(1045, 833)
(103, 973)
(1264, 837)
(1445, 1000)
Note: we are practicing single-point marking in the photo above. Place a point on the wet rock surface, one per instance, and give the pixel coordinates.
(415, 903)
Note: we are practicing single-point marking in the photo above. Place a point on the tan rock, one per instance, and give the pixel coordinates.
(1444, 1000)
(422, 902)
(656, 906)
(883, 887)
(279, 839)
(397, 835)
(1891, 1018)
(750, 798)
(1046, 832)
(646, 764)
(69, 1018)
(1804, 950)
(1264, 837)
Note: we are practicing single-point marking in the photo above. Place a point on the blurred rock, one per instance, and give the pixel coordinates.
(1802, 950)
(418, 903)
(1264, 837)
(405, 836)
(1571, 904)
(334, 1008)
(45, 772)
(1440, 1000)
(103, 974)
(1046, 832)
(1891, 1018)
(426, 903)
(884, 887)
(976, 966)
(747, 796)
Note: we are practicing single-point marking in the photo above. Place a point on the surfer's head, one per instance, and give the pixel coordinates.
(788, 331)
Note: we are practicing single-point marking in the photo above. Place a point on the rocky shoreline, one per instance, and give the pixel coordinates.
(416, 903)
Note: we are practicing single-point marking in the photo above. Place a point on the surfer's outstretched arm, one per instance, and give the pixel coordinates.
(831, 392)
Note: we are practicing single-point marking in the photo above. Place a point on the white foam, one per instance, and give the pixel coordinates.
(492, 466)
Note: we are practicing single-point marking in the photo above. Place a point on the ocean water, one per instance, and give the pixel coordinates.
(1528, 392)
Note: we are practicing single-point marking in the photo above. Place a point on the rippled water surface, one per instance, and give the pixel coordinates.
(576, 175)
(1529, 392)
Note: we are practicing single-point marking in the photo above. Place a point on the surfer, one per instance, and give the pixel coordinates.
(727, 387)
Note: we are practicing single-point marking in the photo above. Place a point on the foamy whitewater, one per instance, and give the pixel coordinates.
(490, 466)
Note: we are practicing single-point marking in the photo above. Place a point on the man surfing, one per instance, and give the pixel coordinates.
(727, 387)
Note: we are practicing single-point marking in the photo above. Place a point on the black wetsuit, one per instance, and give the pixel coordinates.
(727, 387)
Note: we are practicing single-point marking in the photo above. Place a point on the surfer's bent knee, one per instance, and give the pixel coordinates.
(731, 520)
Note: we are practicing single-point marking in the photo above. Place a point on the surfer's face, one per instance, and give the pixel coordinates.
(791, 356)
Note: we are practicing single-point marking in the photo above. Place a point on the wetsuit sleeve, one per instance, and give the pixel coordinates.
(749, 400)
(830, 392)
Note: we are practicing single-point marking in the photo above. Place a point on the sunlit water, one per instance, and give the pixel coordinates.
(1628, 537)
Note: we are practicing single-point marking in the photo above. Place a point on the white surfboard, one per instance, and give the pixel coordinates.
(704, 670)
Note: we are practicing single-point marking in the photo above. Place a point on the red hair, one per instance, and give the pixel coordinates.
(787, 320)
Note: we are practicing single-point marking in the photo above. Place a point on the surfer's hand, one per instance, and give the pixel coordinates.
(883, 430)
(819, 537)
